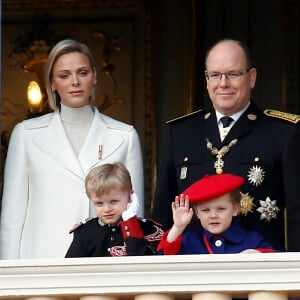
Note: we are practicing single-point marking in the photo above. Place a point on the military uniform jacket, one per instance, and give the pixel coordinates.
(266, 154)
(234, 240)
(133, 237)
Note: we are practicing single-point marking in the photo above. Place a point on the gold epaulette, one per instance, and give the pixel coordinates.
(185, 116)
(282, 115)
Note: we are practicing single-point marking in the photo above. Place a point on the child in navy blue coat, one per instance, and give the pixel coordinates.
(215, 200)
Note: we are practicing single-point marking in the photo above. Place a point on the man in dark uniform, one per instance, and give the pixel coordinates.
(262, 147)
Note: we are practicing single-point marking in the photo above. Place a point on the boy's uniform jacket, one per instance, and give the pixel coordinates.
(135, 236)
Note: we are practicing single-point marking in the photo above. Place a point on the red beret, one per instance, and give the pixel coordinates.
(211, 187)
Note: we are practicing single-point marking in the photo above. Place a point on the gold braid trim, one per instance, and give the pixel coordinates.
(185, 116)
(282, 115)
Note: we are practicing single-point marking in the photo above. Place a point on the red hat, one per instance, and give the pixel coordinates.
(211, 187)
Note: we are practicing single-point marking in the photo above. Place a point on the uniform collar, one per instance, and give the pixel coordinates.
(235, 116)
(234, 234)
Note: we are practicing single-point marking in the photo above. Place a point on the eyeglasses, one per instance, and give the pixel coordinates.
(233, 75)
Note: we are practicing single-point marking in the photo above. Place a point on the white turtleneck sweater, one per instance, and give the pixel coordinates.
(77, 122)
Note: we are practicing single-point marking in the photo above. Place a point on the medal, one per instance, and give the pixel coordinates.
(100, 152)
(183, 173)
(246, 204)
(256, 175)
(268, 209)
(183, 170)
(219, 163)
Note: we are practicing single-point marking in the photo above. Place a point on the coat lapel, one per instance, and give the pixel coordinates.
(211, 130)
(54, 142)
(99, 134)
(244, 125)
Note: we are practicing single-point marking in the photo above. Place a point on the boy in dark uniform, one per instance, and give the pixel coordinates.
(215, 200)
(117, 231)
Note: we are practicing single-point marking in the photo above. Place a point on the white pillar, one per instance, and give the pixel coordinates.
(211, 296)
(99, 297)
(267, 296)
(153, 296)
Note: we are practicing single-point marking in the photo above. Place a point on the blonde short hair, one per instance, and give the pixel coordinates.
(63, 47)
(103, 178)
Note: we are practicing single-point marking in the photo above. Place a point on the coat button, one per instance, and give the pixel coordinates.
(218, 243)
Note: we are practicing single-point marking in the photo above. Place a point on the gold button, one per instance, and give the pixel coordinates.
(207, 116)
(252, 117)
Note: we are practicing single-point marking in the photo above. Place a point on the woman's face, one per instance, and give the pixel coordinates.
(73, 78)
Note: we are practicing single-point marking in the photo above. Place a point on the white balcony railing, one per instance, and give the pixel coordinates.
(261, 276)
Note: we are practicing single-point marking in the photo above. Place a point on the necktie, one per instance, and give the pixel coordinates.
(226, 121)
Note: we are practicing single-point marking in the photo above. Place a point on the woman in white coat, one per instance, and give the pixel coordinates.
(49, 157)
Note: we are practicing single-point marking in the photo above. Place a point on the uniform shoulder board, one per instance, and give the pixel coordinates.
(79, 224)
(185, 116)
(282, 115)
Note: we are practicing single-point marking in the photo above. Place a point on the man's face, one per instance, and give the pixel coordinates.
(229, 95)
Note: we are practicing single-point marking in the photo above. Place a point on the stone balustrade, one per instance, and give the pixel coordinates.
(259, 276)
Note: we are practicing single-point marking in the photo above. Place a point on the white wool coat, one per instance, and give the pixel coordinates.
(44, 193)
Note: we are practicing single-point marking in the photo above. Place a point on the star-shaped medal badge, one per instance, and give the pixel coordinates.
(246, 204)
(268, 209)
(256, 175)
